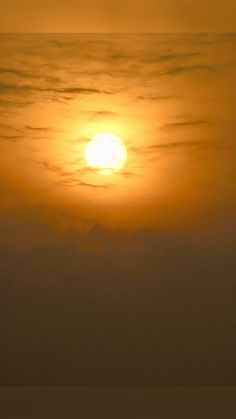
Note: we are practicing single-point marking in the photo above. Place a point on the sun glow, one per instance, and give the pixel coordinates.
(106, 153)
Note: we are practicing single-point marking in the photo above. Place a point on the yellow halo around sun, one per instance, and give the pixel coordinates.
(106, 152)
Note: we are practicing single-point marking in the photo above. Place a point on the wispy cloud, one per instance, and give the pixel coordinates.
(5, 70)
(16, 88)
(173, 56)
(156, 98)
(179, 144)
(102, 113)
(188, 69)
(174, 145)
(11, 138)
(180, 124)
(71, 178)
(28, 127)
(29, 74)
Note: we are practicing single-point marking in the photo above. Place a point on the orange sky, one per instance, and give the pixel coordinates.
(126, 279)
(169, 97)
(118, 16)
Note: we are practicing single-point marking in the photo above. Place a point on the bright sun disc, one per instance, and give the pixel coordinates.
(106, 152)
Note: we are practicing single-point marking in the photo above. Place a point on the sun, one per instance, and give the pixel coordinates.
(106, 153)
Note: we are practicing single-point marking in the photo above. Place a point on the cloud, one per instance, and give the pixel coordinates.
(174, 56)
(188, 69)
(103, 113)
(180, 144)
(89, 185)
(16, 72)
(156, 98)
(175, 145)
(70, 178)
(26, 88)
(37, 128)
(11, 138)
(81, 90)
(185, 124)
(118, 307)
(28, 74)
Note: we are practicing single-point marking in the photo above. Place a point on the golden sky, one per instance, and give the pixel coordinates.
(127, 278)
(169, 97)
(118, 16)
